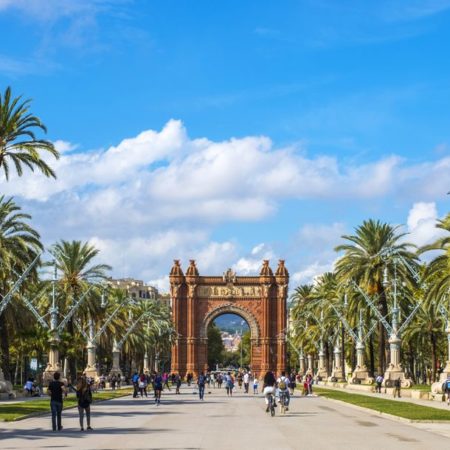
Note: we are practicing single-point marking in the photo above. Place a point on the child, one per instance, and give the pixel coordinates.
(255, 385)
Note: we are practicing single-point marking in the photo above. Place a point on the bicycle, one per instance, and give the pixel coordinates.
(271, 404)
(283, 402)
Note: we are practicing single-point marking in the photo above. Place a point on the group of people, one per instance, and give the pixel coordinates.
(58, 391)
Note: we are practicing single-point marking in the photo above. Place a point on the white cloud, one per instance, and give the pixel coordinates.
(64, 146)
(251, 264)
(422, 220)
(160, 195)
(309, 273)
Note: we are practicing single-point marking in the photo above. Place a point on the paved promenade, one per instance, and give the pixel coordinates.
(183, 422)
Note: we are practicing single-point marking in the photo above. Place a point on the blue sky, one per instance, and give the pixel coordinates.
(232, 131)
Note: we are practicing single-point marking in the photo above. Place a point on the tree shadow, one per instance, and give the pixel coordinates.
(43, 433)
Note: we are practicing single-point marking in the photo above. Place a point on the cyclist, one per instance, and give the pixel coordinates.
(269, 388)
(283, 388)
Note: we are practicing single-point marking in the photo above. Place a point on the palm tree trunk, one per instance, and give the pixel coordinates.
(343, 350)
(433, 356)
(73, 360)
(4, 346)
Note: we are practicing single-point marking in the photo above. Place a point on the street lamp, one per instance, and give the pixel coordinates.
(242, 324)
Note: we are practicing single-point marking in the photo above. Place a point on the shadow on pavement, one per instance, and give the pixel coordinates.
(41, 433)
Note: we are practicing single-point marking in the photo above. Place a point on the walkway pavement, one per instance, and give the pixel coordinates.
(183, 422)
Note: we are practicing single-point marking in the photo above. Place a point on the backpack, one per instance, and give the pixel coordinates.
(282, 385)
(447, 385)
(201, 380)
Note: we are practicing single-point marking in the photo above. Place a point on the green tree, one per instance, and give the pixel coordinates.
(366, 254)
(215, 346)
(74, 261)
(18, 142)
(19, 245)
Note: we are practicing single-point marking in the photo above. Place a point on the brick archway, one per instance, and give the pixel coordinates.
(260, 300)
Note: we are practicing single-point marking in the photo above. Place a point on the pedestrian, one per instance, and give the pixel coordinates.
(28, 388)
(246, 382)
(292, 382)
(219, 380)
(229, 384)
(142, 385)
(135, 381)
(189, 378)
(177, 383)
(379, 382)
(201, 385)
(446, 389)
(239, 378)
(255, 385)
(113, 382)
(56, 390)
(158, 387)
(84, 396)
(397, 387)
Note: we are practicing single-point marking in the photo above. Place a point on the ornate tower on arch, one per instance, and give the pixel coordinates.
(260, 300)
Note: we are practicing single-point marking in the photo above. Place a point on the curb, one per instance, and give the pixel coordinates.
(383, 414)
(43, 413)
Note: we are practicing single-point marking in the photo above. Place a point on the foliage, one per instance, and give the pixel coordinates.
(18, 142)
(215, 346)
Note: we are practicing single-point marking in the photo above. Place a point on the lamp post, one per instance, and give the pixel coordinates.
(242, 323)
(53, 364)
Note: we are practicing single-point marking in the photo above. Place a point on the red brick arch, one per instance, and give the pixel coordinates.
(198, 300)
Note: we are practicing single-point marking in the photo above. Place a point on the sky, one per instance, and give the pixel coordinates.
(230, 132)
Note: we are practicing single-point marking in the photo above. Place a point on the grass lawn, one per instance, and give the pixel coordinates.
(421, 387)
(15, 411)
(401, 409)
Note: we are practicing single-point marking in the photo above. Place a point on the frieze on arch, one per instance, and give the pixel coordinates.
(260, 300)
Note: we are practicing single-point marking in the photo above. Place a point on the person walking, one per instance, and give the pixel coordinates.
(201, 386)
(135, 381)
(397, 387)
(56, 390)
(158, 387)
(255, 384)
(292, 382)
(229, 384)
(246, 382)
(177, 383)
(84, 397)
(379, 382)
(142, 385)
(446, 389)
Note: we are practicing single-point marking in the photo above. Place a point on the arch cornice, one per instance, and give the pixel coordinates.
(230, 308)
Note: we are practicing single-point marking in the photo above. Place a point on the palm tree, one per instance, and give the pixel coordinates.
(438, 269)
(19, 245)
(18, 142)
(364, 261)
(74, 262)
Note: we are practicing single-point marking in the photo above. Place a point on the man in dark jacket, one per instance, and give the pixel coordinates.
(56, 390)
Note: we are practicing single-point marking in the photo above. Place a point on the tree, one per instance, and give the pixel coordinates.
(215, 345)
(19, 246)
(74, 262)
(365, 257)
(18, 142)
(439, 268)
